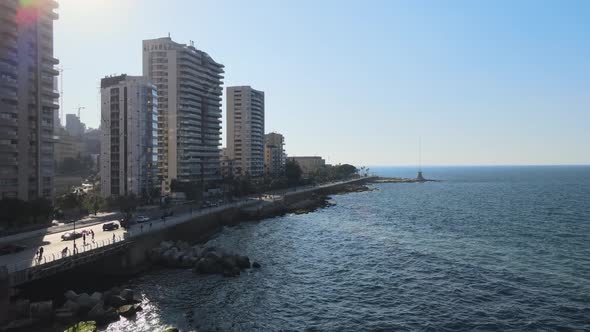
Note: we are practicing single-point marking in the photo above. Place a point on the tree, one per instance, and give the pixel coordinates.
(293, 172)
(40, 207)
(127, 203)
(69, 202)
(12, 211)
(93, 203)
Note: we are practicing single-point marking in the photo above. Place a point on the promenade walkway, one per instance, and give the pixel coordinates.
(53, 244)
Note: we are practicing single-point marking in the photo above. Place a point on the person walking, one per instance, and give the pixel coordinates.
(75, 250)
(83, 238)
(113, 238)
(150, 225)
(40, 254)
(92, 233)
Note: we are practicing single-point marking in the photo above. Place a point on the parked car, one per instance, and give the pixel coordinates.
(141, 219)
(110, 226)
(11, 249)
(71, 236)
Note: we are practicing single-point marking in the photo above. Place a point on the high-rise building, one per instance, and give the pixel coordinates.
(28, 98)
(274, 154)
(129, 136)
(74, 126)
(309, 164)
(189, 110)
(245, 129)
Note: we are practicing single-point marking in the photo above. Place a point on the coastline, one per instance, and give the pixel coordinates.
(55, 287)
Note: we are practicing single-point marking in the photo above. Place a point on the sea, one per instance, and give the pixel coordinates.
(503, 248)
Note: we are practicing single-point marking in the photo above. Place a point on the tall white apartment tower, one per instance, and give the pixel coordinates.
(189, 110)
(245, 129)
(129, 136)
(28, 98)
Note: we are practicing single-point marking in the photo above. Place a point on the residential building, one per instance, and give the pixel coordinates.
(227, 164)
(274, 154)
(245, 129)
(129, 136)
(309, 164)
(189, 110)
(66, 146)
(28, 98)
(74, 126)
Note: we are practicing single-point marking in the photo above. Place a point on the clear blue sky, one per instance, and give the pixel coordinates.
(482, 82)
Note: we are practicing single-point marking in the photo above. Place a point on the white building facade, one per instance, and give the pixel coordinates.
(245, 130)
(189, 84)
(128, 162)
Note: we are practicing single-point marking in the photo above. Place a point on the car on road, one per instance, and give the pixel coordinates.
(110, 226)
(71, 236)
(141, 219)
(11, 249)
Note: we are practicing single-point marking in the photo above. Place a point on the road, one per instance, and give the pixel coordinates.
(53, 244)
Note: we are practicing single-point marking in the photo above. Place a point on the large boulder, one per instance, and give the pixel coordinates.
(208, 266)
(111, 314)
(116, 301)
(97, 313)
(256, 265)
(166, 244)
(243, 262)
(42, 310)
(127, 294)
(85, 302)
(229, 262)
(71, 306)
(95, 298)
(129, 310)
(71, 295)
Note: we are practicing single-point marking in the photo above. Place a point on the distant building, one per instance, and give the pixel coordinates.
(227, 164)
(66, 146)
(28, 98)
(189, 104)
(274, 154)
(309, 164)
(74, 126)
(245, 129)
(129, 135)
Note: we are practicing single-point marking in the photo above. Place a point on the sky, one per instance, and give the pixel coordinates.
(361, 82)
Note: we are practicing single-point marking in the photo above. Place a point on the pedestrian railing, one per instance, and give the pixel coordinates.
(54, 256)
(26, 270)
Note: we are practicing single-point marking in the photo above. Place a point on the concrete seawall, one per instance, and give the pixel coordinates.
(133, 259)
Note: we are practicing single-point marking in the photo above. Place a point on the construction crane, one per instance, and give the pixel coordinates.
(79, 108)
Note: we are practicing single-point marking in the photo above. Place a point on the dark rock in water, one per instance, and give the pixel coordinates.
(256, 265)
(243, 262)
(71, 306)
(111, 314)
(127, 310)
(71, 295)
(116, 301)
(229, 262)
(127, 294)
(235, 271)
(97, 313)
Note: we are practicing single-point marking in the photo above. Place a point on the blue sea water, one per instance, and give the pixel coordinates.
(486, 249)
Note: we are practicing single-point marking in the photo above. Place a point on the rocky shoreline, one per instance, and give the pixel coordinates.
(96, 309)
(202, 260)
(102, 308)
